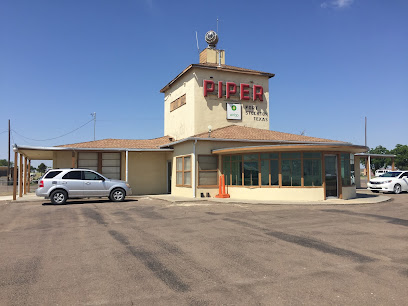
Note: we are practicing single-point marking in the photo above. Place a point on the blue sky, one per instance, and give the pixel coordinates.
(336, 61)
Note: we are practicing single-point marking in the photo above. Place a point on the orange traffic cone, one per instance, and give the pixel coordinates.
(221, 191)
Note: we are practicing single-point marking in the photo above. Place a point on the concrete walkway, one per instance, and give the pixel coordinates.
(363, 197)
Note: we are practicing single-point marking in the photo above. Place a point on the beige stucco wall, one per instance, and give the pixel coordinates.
(278, 194)
(199, 112)
(62, 159)
(180, 122)
(147, 172)
(212, 110)
(349, 192)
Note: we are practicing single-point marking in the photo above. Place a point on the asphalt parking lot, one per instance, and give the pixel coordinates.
(152, 252)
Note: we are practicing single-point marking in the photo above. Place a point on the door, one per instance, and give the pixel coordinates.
(330, 164)
(94, 185)
(169, 177)
(72, 180)
(404, 181)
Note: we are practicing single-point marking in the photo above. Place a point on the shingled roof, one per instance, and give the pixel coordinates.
(219, 68)
(236, 132)
(123, 143)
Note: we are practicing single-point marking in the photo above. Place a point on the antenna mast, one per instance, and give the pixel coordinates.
(198, 48)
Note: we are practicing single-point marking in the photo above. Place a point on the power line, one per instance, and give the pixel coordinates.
(54, 137)
(3, 132)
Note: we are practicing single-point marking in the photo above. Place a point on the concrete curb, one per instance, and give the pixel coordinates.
(372, 199)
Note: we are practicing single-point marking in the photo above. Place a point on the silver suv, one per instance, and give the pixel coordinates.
(60, 184)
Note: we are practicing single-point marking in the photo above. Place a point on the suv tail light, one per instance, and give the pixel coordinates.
(41, 183)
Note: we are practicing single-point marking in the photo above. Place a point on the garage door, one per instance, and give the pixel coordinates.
(88, 161)
(110, 163)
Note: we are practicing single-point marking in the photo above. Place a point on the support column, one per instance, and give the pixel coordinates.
(15, 176)
(339, 181)
(25, 176)
(73, 160)
(392, 164)
(29, 174)
(127, 166)
(369, 169)
(20, 177)
(357, 171)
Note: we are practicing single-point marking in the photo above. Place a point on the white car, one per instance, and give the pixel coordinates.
(393, 181)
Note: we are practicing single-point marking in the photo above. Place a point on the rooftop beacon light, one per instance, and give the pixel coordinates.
(212, 39)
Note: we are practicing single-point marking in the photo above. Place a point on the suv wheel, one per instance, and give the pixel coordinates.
(117, 195)
(58, 197)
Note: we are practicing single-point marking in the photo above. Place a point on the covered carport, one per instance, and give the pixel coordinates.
(67, 157)
(368, 157)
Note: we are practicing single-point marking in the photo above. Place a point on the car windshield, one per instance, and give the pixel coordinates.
(391, 174)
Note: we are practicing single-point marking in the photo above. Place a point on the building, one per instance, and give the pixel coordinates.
(216, 118)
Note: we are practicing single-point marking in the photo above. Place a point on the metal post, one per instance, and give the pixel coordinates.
(369, 169)
(8, 164)
(15, 176)
(127, 166)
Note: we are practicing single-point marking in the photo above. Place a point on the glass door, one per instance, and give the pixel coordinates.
(330, 163)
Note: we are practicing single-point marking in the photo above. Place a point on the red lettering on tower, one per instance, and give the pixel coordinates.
(229, 90)
(244, 91)
(258, 92)
(208, 89)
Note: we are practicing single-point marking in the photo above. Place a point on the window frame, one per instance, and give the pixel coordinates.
(183, 171)
(200, 171)
(279, 160)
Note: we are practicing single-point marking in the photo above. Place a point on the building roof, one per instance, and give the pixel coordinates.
(248, 133)
(226, 68)
(122, 143)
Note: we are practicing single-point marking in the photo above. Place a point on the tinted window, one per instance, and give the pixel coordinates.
(52, 174)
(92, 176)
(391, 174)
(72, 175)
(405, 175)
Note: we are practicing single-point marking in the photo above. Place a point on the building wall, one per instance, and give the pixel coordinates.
(199, 112)
(212, 110)
(349, 192)
(180, 122)
(62, 159)
(147, 172)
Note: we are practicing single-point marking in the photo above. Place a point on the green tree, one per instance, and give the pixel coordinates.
(377, 163)
(32, 169)
(42, 168)
(401, 159)
(3, 162)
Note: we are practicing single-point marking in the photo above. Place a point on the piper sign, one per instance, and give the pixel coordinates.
(231, 89)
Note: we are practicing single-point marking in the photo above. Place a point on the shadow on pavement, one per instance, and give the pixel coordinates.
(75, 202)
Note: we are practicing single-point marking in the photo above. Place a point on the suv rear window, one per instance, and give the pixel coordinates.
(73, 175)
(52, 174)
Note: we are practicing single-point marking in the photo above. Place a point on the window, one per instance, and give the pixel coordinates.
(291, 169)
(52, 174)
(207, 170)
(183, 171)
(312, 169)
(346, 169)
(232, 168)
(269, 169)
(92, 176)
(73, 175)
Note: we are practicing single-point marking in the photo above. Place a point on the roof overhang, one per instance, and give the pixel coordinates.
(225, 69)
(272, 142)
(376, 155)
(47, 153)
(327, 147)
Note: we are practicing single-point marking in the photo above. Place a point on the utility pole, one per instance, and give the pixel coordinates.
(8, 164)
(94, 118)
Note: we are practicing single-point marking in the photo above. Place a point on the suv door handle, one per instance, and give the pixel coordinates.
(88, 183)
